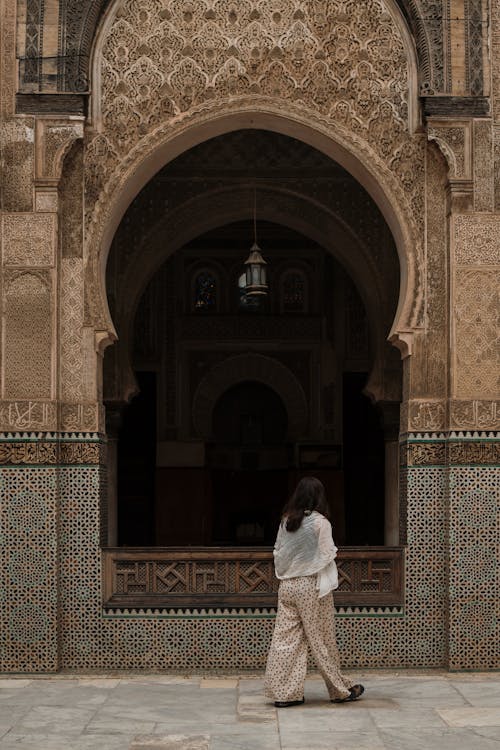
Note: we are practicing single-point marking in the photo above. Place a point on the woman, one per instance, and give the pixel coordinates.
(304, 560)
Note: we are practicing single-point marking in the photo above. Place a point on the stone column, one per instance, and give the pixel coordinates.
(390, 423)
(114, 418)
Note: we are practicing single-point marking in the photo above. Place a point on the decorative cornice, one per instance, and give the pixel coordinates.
(51, 104)
(455, 106)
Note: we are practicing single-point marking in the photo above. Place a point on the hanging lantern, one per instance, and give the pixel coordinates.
(255, 272)
(255, 265)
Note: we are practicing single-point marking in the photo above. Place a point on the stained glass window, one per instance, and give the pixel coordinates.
(205, 291)
(294, 292)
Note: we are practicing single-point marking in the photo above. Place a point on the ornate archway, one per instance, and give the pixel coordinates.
(290, 78)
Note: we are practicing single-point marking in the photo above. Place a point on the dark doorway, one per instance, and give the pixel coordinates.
(363, 464)
(249, 428)
(137, 464)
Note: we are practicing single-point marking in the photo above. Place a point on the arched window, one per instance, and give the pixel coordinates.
(293, 291)
(205, 291)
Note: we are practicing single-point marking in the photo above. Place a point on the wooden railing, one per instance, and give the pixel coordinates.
(238, 577)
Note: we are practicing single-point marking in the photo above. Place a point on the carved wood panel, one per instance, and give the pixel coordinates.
(239, 577)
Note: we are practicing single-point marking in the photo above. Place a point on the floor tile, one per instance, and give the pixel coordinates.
(14, 684)
(434, 739)
(170, 742)
(55, 720)
(244, 742)
(471, 716)
(334, 740)
(219, 684)
(418, 717)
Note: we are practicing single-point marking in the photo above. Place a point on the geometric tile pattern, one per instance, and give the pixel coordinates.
(452, 518)
(474, 513)
(28, 560)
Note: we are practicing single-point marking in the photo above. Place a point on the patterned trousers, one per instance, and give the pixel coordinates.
(303, 619)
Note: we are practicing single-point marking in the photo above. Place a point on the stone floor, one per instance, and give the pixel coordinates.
(400, 711)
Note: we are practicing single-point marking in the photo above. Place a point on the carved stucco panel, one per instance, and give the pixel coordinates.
(71, 325)
(477, 240)
(496, 167)
(81, 417)
(427, 416)
(29, 239)
(476, 352)
(483, 166)
(481, 415)
(46, 201)
(28, 415)
(27, 360)
(18, 154)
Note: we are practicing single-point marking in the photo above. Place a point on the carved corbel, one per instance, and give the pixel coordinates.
(402, 340)
(454, 139)
(53, 139)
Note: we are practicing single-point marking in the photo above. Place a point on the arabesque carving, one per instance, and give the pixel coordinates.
(477, 240)
(29, 239)
(28, 335)
(71, 323)
(476, 332)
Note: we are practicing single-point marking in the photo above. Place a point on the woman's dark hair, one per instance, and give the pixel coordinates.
(309, 495)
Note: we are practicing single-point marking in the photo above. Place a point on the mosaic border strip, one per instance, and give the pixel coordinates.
(242, 613)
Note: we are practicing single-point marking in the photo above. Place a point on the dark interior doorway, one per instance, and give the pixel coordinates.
(249, 430)
(363, 464)
(136, 465)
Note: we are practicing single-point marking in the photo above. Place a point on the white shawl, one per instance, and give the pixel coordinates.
(307, 551)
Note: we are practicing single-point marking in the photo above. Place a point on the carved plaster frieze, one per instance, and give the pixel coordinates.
(28, 415)
(471, 453)
(450, 452)
(51, 452)
(454, 138)
(49, 416)
(425, 416)
(82, 417)
(475, 415)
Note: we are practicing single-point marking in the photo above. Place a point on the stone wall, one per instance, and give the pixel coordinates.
(166, 77)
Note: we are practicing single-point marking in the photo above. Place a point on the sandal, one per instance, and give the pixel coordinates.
(287, 704)
(354, 693)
